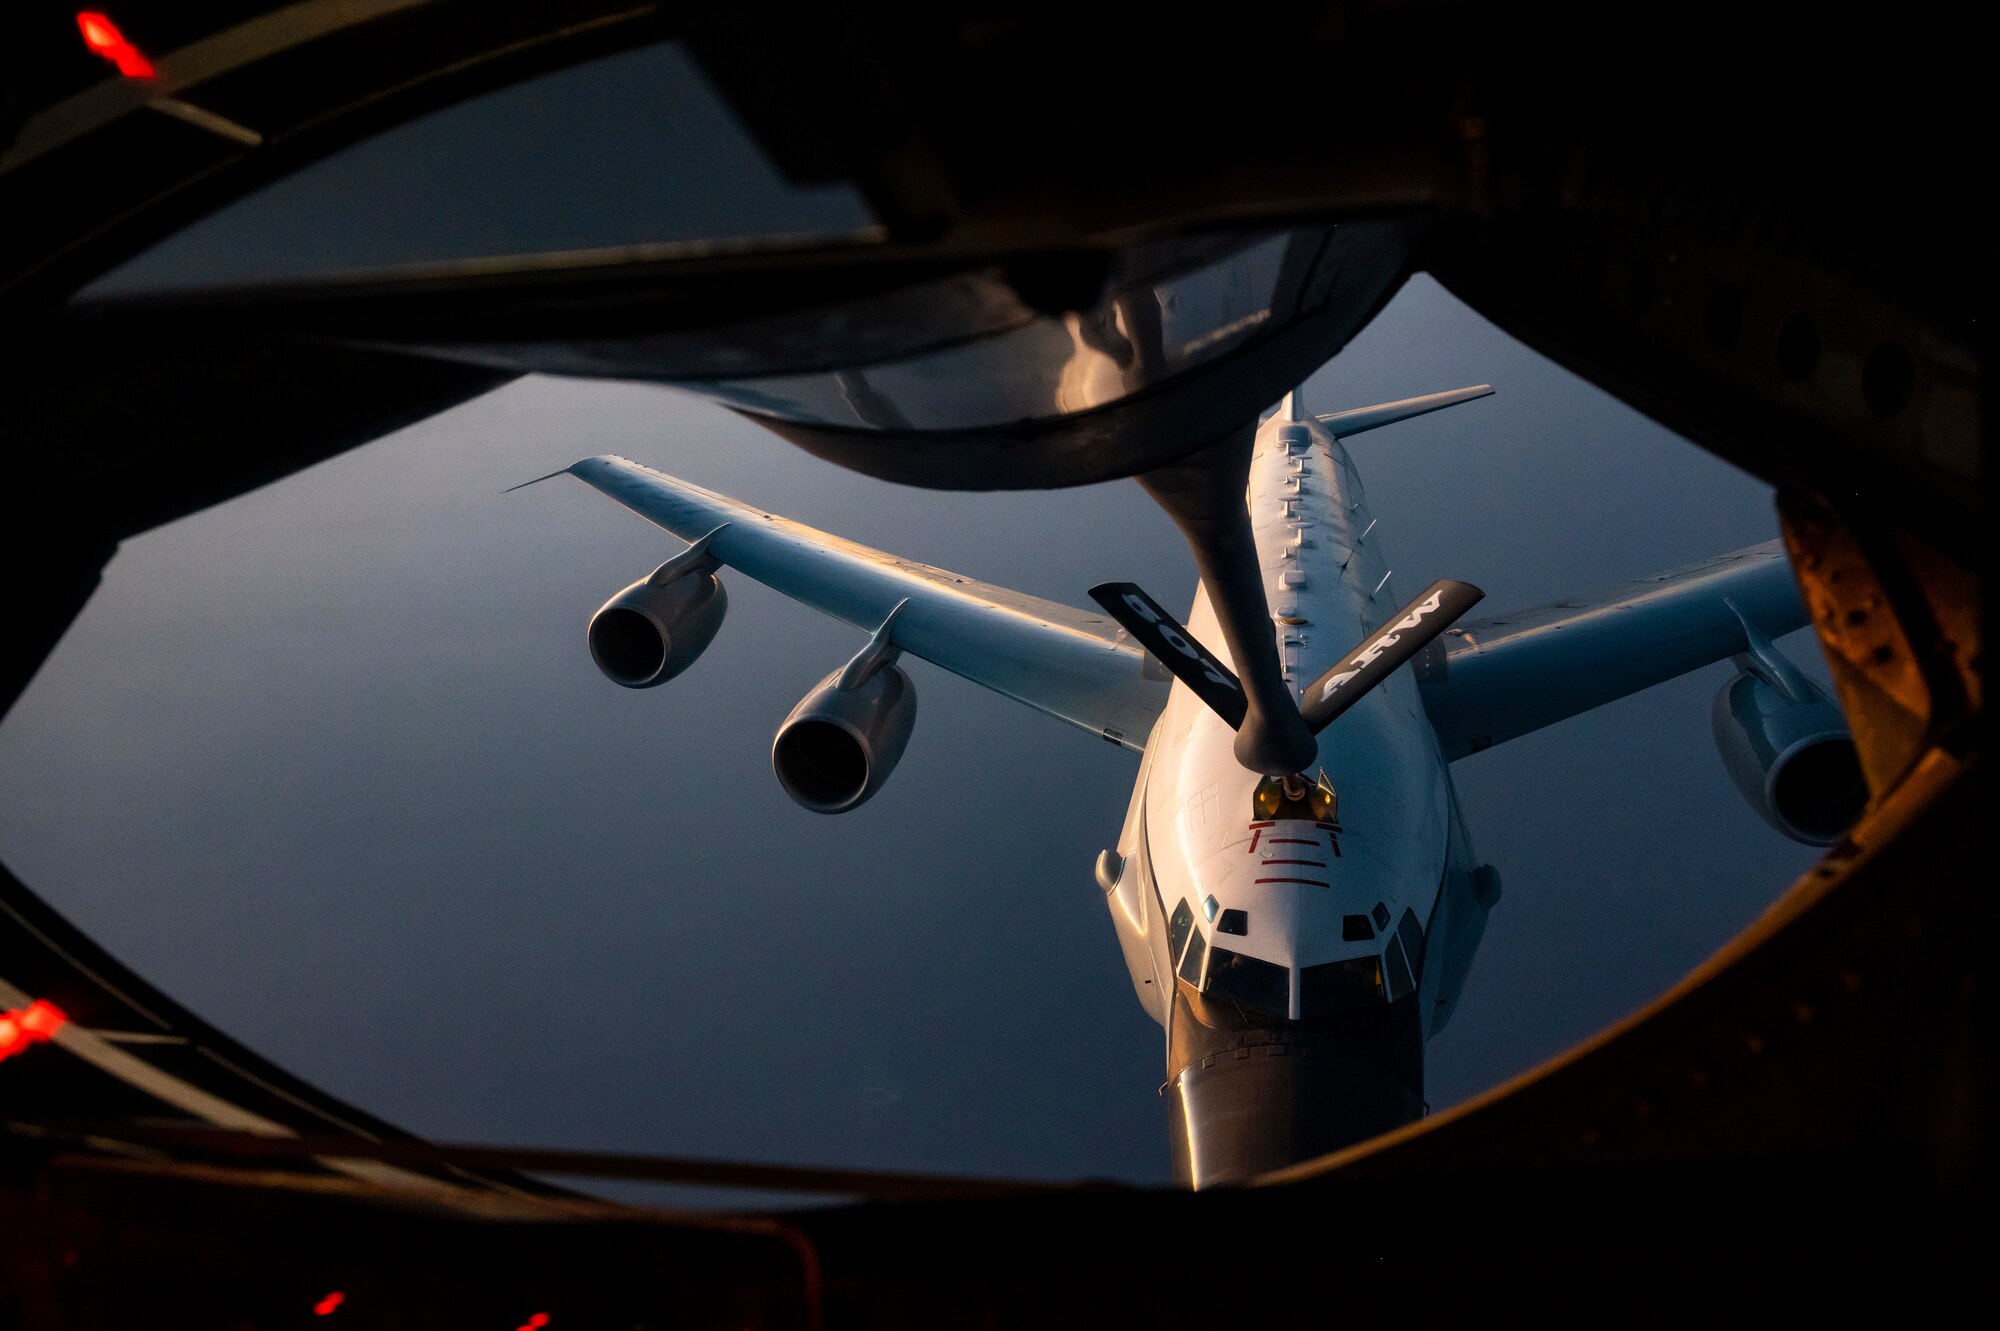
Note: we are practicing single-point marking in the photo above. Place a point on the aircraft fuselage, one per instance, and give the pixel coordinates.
(1297, 964)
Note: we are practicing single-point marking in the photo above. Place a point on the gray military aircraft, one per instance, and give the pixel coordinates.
(1298, 929)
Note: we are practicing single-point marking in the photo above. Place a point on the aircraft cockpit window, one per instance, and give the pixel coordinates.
(1233, 922)
(1340, 985)
(1254, 983)
(1177, 930)
(1294, 797)
(1191, 963)
(1412, 935)
(1400, 982)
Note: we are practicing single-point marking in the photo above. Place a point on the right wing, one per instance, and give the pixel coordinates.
(1501, 678)
(1074, 666)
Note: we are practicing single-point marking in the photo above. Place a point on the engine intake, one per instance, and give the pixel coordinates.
(651, 631)
(1790, 753)
(839, 745)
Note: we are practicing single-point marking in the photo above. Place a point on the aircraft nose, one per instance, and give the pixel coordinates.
(1244, 1102)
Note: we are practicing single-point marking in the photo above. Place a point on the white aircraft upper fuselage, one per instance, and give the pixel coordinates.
(1299, 894)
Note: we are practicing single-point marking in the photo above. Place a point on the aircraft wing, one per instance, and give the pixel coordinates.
(1500, 678)
(1075, 666)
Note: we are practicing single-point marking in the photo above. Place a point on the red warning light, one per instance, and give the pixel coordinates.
(325, 1307)
(101, 35)
(36, 1023)
(535, 1323)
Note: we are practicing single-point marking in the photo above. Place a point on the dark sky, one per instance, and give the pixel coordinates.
(331, 765)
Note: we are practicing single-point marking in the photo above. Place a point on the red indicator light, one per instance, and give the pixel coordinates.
(535, 1323)
(36, 1023)
(325, 1307)
(101, 35)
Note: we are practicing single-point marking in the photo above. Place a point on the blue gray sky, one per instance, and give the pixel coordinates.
(331, 765)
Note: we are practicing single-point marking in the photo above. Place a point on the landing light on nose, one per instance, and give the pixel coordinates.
(1291, 797)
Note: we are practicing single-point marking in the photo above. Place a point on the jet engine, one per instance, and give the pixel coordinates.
(843, 739)
(1789, 751)
(655, 628)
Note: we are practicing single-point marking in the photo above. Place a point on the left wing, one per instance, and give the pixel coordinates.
(1075, 666)
(1503, 677)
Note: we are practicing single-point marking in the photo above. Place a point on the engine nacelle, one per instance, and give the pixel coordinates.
(652, 631)
(839, 745)
(1792, 757)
